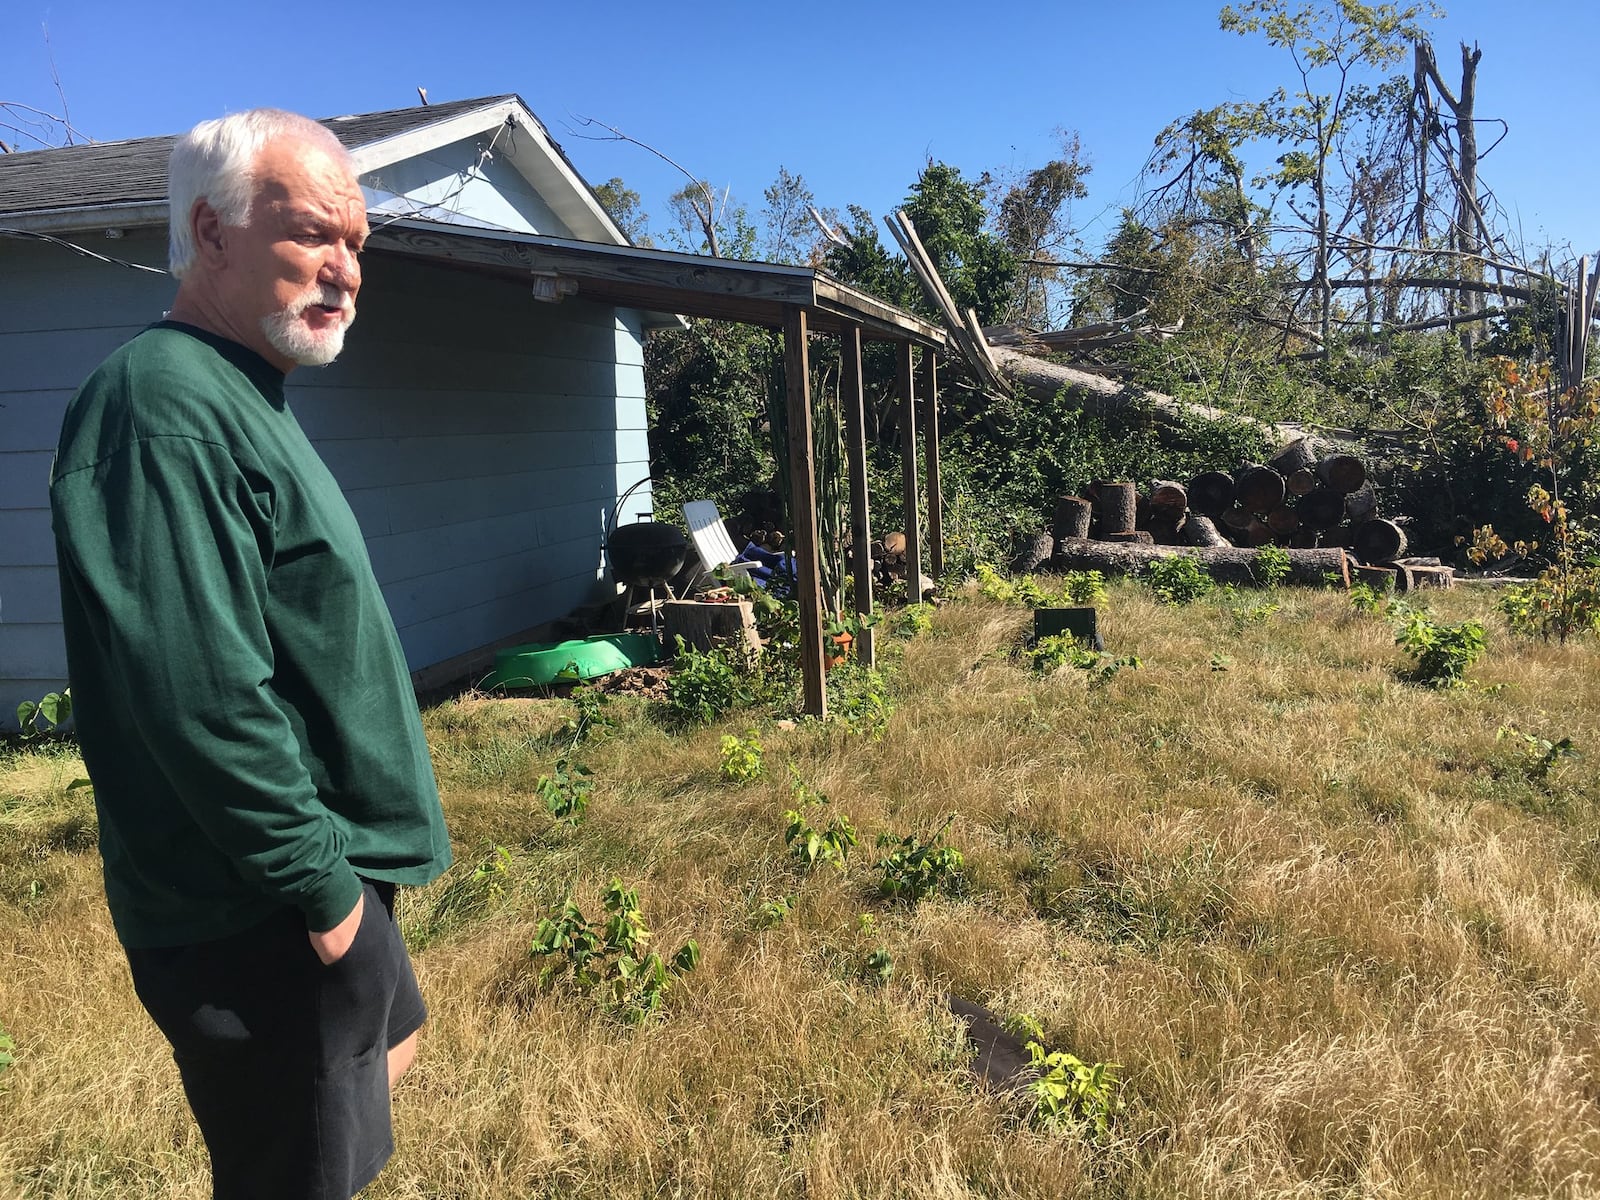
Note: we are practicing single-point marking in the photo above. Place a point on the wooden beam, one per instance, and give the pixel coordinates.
(803, 498)
(853, 399)
(930, 414)
(905, 372)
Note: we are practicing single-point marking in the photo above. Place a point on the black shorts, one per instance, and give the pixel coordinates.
(285, 1060)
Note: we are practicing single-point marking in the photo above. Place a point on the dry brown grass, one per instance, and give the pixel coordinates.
(1341, 939)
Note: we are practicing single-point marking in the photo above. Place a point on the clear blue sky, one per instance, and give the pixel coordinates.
(853, 97)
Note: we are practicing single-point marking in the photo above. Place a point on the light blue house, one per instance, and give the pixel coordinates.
(481, 433)
(489, 408)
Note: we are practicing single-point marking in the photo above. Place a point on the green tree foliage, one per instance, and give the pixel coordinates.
(1034, 221)
(622, 204)
(951, 219)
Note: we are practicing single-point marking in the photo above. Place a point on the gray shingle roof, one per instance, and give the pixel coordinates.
(135, 171)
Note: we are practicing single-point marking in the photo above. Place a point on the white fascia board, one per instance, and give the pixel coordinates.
(532, 153)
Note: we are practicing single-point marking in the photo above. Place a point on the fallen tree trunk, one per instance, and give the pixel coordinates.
(1225, 564)
(1095, 394)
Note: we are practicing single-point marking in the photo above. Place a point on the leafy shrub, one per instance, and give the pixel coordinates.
(45, 714)
(610, 957)
(1538, 754)
(1053, 651)
(878, 968)
(741, 758)
(1084, 587)
(916, 869)
(1559, 603)
(1270, 565)
(589, 719)
(858, 698)
(913, 619)
(812, 845)
(1178, 579)
(1443, 652)
(707, 685)
(1070, 1092)
(566, 793)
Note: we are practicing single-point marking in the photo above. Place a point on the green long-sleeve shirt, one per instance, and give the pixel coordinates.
(241, 699)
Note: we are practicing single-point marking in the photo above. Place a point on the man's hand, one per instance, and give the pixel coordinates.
(332, 945)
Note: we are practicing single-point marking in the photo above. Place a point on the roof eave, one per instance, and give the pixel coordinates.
(134, 215)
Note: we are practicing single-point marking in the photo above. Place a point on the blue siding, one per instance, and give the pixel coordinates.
(481, 438)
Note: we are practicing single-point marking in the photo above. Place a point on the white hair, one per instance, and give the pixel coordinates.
(215, 161)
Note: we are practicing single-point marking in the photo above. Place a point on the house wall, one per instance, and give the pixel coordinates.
(480, 436)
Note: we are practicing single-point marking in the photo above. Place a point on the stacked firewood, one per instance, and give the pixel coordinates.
(1315, 508)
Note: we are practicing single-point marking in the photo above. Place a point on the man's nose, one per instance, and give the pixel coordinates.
(342, 268)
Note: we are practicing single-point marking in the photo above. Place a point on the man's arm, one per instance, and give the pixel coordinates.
(169, 541)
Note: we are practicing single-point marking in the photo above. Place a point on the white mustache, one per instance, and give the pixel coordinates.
(328, 296)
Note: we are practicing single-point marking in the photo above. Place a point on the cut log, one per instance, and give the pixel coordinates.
(1432, 577)
(1361, 504)
(1258, 489)
(1304, 538)
(1283, 521)
(1035, 554)
(1236, 519)
(1225, 564)
(1322, 509)
(1301, 483)
(1343, 473)
(705, 625)
(1169, 499)
(1200, 531)
(1072, 517)
(1296, 456)
(1379, 579)
(1211, 493)
(1134, 537)
(1118, 507)
(1258, 532)
(1168, 532)
(1378, 541)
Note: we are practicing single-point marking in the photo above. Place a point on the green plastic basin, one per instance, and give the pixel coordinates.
(537, 664)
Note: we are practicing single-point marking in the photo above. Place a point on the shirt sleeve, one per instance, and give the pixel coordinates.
(171, 542)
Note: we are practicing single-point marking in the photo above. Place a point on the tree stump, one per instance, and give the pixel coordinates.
(1072, 517)
(705, 624)
(1119, 508)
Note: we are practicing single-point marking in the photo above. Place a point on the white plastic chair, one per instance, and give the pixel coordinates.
(710, 538)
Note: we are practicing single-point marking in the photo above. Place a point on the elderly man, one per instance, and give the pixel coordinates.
(241, 698)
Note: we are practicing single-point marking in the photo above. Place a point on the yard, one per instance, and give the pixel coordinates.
(1338, 931)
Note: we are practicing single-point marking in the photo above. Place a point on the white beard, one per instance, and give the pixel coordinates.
(291, 337)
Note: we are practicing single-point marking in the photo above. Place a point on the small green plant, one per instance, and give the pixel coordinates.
(566, 793)
(1443, 652)
(466, 897)
(612, 957)
(858, 698)
(589, 719)
(772, 913)
(45, 714)
(1069, 1092)
(913, 620)
(1052, 652)
(1220, 661)
(1365, 598)
(741, 758)
(1084, 587)
(994, 586)
(810, 844)
(916, 869)
(1178, 579)
(7, 1046)
(1539, 754)
(1242, 613)
(706, 685)
(1270, 566)
(878, 968)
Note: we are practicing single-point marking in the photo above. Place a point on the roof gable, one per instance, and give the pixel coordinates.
(125, 183)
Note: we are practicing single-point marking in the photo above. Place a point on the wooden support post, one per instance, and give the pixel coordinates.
(905, 373)
(930, 414)
(803, 518)
(853, 399)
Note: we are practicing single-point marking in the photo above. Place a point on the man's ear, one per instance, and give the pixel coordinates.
(210, 240)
